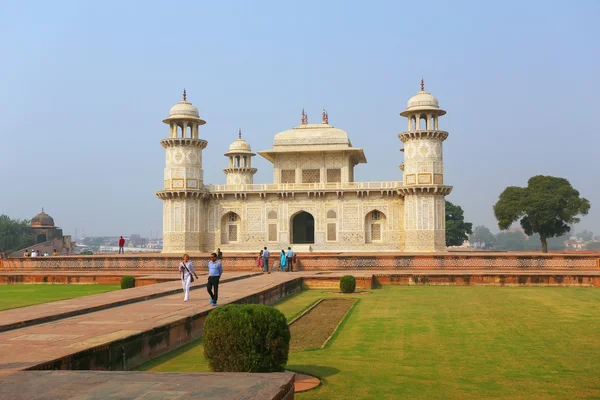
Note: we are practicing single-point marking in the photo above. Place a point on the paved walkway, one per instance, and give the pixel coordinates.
(87, 385)
(37, 344)
(40, 313)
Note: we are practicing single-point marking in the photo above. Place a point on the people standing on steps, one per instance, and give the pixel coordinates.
(121, 245)
(215, 270)
(186, 267)
(266, 254)
(290, 259)
(282, 261)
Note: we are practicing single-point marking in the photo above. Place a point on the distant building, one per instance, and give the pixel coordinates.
(48, 237)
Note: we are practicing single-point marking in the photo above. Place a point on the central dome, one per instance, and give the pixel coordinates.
(42, 220)
(316, 134)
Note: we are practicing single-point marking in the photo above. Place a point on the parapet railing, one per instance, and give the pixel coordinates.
(263, 187)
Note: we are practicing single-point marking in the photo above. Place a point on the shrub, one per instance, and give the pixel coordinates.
(87, 253)
(348, 284)
(127, 282)
(246, 338)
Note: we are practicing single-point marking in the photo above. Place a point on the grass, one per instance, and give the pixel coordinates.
(13, 296)
(429, 342)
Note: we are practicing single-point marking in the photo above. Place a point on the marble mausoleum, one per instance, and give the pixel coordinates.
(313, 204)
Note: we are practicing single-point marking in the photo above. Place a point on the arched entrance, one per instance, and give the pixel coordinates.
(230, 224)
(303, 228)
(41, 238)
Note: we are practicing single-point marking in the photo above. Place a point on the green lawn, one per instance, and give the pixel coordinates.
(430, 342)
(12, 296)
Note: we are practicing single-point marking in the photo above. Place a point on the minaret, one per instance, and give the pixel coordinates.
(240, 171)
(183, 210)
(423, 170)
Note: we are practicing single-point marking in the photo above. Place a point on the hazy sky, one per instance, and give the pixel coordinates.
(85, 85)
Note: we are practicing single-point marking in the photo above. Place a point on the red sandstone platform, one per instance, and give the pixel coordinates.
(58, 385)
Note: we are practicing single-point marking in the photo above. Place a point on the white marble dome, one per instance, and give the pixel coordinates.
(240, 146)
(422, 100)
(184, 109)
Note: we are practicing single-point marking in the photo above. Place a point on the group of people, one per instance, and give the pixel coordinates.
(188, 272)
(36, 253)
(286, 260)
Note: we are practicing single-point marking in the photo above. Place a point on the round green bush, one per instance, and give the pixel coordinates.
(127, 282)
(348, 284)
(246, 338)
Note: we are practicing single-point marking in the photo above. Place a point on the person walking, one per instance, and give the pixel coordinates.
(266, 254)
(215, 270)
(290, 259)
(282, 261)
(121, 245)
(186, 267)
(219, 254)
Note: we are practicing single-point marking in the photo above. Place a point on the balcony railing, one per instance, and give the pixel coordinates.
(279, 187)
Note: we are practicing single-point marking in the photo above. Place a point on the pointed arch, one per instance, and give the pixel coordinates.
(375, 226)
(230, 227)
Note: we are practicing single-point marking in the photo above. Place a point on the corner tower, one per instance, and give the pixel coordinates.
(240, 171)
(423, 170)
(183, 190)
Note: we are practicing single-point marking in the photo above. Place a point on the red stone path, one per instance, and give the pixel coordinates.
(26, 347)
(53, 385)
(26, 316)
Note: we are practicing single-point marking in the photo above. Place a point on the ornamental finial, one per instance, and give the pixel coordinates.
(325, 116)
(240, 133)
(304, 117)
(184, 95)
(422, 85)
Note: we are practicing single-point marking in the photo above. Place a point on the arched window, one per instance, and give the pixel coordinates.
(272, 215)
(180, 131)
(422, 122)
(189, 131)
(230, 224)
(237, 161)
(374, 226)
(331, 214)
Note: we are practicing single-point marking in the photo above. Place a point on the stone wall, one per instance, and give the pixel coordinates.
(319, 261)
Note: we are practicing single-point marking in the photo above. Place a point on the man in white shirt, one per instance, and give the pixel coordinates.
(186, 268)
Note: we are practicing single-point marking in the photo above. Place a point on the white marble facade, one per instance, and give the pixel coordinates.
(313, 203)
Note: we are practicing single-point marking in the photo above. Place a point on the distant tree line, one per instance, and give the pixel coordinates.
(15, 234)
(483, 238)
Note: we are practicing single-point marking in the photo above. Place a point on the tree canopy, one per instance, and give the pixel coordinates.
(15, 234)
(457, 230)
(547, 206)
(482, 238)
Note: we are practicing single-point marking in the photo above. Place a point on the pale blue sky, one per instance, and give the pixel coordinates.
(86, 85)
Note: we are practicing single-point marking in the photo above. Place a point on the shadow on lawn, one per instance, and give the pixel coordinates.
(317, 370)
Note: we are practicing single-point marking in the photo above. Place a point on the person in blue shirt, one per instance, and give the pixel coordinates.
(215, 270)
(290, 260)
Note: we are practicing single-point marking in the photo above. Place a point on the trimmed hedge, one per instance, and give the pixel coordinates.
(348, 284)
(127, 282)
(246, 338)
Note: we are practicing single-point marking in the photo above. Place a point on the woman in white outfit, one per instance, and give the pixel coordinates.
(186, 268)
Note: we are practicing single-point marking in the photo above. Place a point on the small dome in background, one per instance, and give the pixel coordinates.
(42, 220)
(239, 146)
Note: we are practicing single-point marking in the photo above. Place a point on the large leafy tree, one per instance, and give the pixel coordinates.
(482, 238)
(15, 234)
(457, 230)
(547, 206)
